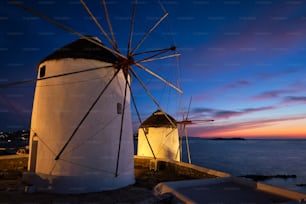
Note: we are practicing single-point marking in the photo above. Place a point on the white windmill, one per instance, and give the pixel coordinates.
(81, 131)
(158, 137)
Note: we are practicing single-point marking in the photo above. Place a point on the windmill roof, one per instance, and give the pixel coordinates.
(158, 119)
(82, 48)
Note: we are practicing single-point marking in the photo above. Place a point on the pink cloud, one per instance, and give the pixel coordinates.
(271, 94)
(265, 75)
(214, 129)
(225, 114)
(237, 84)
(295, 99)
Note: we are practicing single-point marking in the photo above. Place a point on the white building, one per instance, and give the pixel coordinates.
(70, 156)
(158, 136)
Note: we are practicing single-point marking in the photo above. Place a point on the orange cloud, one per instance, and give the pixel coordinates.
(290, 127)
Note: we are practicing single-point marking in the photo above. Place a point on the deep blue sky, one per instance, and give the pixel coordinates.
(242, 62)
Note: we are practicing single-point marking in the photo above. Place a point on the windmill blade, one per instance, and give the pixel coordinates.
(172, 48)
(132, 27)
(85, 116)
(121, 125)
(188, 110)
(159, 58)
(159, 77)
(191, 122)
(97, 23)
(157, 53)
(151, 96)
(110, 25)
(204, 120)
(149, 32)
(8, 85)
(50, 77)
(66, 28)
(140, 121)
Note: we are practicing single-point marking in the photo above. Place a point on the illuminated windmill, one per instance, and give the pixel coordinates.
(81, 130)
(186, 121)
(158, 137)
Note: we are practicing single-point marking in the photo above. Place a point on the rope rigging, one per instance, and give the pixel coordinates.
(85, 116)
(122, 121)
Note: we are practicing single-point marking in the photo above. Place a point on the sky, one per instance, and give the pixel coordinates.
(241, 63)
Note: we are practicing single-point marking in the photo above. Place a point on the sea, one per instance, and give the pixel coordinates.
(282, 160)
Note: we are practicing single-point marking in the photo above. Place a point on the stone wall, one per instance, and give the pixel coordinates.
(13, 163)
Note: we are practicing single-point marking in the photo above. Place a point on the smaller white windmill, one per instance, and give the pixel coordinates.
(158, 137)
(186, 121)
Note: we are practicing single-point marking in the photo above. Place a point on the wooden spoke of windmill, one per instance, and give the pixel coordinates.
(125, 60)
(192, 122)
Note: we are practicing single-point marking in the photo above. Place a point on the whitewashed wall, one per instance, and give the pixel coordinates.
(88, 164)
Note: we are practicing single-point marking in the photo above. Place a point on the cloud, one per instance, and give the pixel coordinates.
(237, 84)
(201, 113)
(295, 87)
(259, 109)
(299, 85)
(216, 129)
(271, 94)
(285, 72)
(229, 114)
(203, 110)
(225, 114)
(295, 99)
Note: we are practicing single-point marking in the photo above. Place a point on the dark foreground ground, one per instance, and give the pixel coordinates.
(12, 187)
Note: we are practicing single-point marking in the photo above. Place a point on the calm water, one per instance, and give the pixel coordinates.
(262, 157)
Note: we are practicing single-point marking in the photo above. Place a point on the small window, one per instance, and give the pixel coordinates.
(119, 108)
(42, 71)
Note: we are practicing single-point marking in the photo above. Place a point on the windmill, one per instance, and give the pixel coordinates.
(61, 159)
(158, 137)
(186, 121)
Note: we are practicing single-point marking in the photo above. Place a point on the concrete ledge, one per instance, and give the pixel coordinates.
(270, 189)
(282, 192)
(227, 190)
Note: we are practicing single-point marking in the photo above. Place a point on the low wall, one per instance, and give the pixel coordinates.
(13, 163)
(20, 162)
(181, 168)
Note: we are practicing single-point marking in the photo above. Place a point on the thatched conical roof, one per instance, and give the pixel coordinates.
(82, 48)
(158, 119)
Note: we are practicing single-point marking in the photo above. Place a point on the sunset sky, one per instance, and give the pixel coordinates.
(243, 63)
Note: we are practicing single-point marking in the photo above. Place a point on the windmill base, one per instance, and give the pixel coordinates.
(74, 184)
